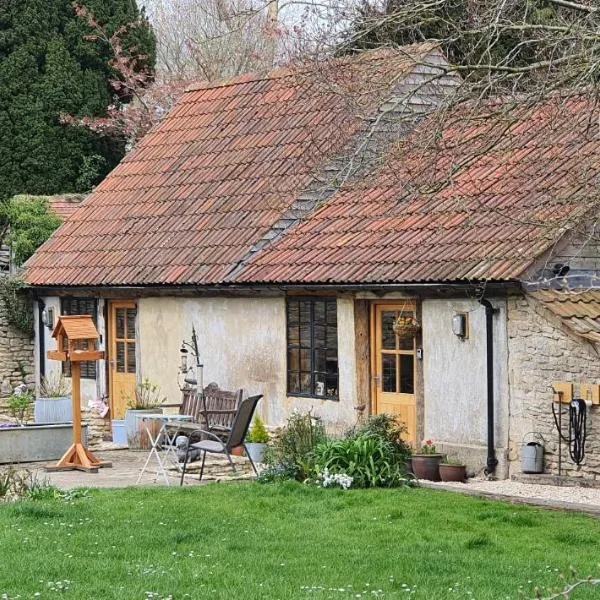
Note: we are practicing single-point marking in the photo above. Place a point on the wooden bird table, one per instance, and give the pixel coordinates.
(76, 341)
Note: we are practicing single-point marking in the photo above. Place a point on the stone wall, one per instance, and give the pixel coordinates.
(541, 350)
(16, 360)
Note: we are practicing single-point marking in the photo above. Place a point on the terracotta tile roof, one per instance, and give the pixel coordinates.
(64, 205)
(479, 199)
(580, 312)
(199, 191)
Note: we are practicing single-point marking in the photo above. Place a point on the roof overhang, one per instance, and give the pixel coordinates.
(435, 289)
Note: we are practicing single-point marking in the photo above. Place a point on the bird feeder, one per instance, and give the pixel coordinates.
(76, 341)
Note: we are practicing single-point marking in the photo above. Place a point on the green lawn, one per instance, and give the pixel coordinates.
(251, 541)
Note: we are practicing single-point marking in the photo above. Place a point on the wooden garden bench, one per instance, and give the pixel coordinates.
(214, 411)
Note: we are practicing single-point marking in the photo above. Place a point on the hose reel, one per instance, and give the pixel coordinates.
(577, 416)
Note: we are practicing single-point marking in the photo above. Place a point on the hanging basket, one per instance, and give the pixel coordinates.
(406, 326)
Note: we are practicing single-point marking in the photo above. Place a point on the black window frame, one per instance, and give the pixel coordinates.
(73, 305)
(330, 304)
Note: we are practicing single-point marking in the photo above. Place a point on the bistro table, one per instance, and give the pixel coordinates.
(161, 443)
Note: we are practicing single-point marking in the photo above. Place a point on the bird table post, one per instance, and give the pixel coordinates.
(76, 341)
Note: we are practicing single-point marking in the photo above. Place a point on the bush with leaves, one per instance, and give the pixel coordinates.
(20, 406)
(291, 454)
(387, 427)
(15, 303)
(369, 459)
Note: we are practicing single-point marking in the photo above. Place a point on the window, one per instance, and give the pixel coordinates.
(312, 357)
(80, 306)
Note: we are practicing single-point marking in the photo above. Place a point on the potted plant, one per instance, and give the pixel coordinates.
(54, 404)
(406, 326)
(145, 400)
(257, 440)
(453, 470)
(426, 462)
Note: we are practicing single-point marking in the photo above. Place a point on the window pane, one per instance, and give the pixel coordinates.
(389, 373)
(293, 335)
(131, 324)
(305, 360)
(320, 385)
(332, 385)
(388, 337)
(406, 343)
(305, 383)
(320, 336)
(294, 383)
(293, 312)
(305, 312)
(320, 361)
(305, 335)
(120, 314)
(332, 337)
(293, 359)
(120, 357)
(407, 374)
(319, 311)
(131, 357)
(332, 313)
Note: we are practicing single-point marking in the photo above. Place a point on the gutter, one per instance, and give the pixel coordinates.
(492, 461)
(132, 291)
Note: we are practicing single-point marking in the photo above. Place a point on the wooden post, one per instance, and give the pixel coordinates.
(76, 398)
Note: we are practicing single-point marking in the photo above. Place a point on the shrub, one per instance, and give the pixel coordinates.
(20, 406)
(369, 459)
(258, 433)
(387, 427)
(292, 448)
(147, 395)
(55, 386)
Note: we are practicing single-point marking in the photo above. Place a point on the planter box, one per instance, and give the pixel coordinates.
(36, 442)
(137, 436)
(54, 410)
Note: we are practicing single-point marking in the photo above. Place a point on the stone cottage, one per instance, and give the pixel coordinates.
(343, 241)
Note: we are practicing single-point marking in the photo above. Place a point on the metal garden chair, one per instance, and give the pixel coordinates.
(219, 444)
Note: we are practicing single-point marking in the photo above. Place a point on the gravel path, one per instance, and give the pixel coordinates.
(513, 489)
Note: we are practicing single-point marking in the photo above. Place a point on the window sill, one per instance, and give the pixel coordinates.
(312, 397)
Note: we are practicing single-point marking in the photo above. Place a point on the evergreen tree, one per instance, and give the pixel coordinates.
(50, 67)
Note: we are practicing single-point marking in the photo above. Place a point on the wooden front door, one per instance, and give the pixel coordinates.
(122, 347)
(394, 367)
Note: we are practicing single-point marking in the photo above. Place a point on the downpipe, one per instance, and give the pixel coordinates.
(492, 461)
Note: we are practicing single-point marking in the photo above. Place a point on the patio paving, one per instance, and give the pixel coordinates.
(127, 466)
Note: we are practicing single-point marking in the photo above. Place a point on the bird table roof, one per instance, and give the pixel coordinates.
(76, 327)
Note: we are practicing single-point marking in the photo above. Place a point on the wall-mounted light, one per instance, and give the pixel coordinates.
(183, 366)
(460, 325)
(48, 318)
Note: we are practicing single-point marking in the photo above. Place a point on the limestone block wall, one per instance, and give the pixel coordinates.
(16, 360)
(541, 350)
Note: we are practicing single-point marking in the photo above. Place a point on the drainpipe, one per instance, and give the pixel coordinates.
(492, 461)
(41, 339)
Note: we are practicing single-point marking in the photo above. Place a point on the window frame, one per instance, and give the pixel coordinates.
(328, 300)
(89, 369)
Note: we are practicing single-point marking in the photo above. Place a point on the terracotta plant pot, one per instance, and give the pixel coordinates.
(238, 451)
(453, 472)
(427, 466)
